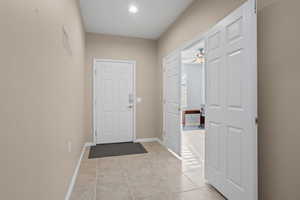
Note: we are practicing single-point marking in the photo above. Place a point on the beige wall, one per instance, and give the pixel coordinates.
(279, 94)
(278, 48)
(41, 98)
(144, 52)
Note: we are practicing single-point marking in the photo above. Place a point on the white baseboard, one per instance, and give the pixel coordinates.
(160, 142)
(89, 144)
(146, 140)
(73, 180)
(175, 154)
(164, 145)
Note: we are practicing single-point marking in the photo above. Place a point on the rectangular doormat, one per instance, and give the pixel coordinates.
(117, 149)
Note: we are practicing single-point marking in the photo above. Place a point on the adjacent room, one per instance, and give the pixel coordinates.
(149, 100)
(193, 105)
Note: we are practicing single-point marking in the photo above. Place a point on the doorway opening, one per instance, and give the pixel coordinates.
(193, 106)
(229, 104)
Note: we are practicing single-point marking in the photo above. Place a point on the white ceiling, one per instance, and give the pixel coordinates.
(112, 16)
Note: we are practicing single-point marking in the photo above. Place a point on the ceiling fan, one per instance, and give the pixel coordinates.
(199, 56)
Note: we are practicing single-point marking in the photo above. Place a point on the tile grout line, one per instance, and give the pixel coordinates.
(127, 182)
(95, 188)
(148, 161)
(196, 185)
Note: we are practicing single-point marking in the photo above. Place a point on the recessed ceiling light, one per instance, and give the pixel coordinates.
(133, 9)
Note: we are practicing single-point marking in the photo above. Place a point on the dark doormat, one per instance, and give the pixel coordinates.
(117, 149)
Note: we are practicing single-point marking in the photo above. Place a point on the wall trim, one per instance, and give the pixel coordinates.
(75, 174)
(174, 154)
(161, 142)
(146, 140)
(89, 144)
(151, 140)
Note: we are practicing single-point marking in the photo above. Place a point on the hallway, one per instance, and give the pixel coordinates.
(157, 175)
(249, 81)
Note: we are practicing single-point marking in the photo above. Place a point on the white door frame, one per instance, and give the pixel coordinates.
(133, 62)
(254, 111)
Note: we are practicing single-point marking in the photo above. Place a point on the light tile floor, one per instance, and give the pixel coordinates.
(157, 175)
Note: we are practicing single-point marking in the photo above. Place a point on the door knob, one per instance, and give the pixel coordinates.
(130, 106)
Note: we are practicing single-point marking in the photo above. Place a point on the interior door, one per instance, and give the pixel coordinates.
(231, 132)
(114, 101)
(172, 66)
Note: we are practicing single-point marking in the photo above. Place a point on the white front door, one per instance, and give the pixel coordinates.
(172, 65)
(113, 101)
(231, 132)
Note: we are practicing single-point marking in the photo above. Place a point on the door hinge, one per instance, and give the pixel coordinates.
(255, 6)
(256, 120)
(96, 132)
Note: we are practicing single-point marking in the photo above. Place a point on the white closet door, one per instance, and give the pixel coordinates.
(172, 102)
(114, 102)
(231, 146)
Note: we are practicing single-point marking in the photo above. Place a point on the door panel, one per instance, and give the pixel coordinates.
(172, 102)
(234, 156)
(235, 83)
(113, 109)
(215, 108)
(231, 146)
(214, 149)
(214, 84)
